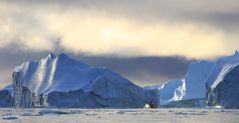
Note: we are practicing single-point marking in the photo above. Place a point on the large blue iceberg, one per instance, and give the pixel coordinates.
(60, 81)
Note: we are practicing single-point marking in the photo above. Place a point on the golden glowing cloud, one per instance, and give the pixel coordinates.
(103, 33)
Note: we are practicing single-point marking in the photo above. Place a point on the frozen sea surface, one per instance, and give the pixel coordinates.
(170, 115)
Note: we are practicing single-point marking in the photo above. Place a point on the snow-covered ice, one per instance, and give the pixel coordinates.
(171, 115)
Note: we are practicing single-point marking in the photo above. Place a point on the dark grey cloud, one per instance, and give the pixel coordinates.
(142, 70)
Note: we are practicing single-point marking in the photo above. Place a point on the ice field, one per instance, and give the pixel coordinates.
(119, 115)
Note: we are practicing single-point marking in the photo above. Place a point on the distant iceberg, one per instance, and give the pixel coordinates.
(213, 83)
(190, 88)
(172, 90)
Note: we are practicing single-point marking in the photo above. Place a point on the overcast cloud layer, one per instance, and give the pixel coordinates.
(123, 28)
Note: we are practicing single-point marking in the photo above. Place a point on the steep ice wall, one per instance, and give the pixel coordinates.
(17, 89)
(196, 78)
(22, 96)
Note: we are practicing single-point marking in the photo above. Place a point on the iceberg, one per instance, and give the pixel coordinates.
(212, 83)
(223, 83)
(60, 81)
(170, 91)
(191, 89)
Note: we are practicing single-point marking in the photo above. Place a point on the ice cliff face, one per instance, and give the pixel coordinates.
(69, 83)
(223, 83)
(196, 78)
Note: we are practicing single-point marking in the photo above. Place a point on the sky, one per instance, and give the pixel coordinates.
(156, 38)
